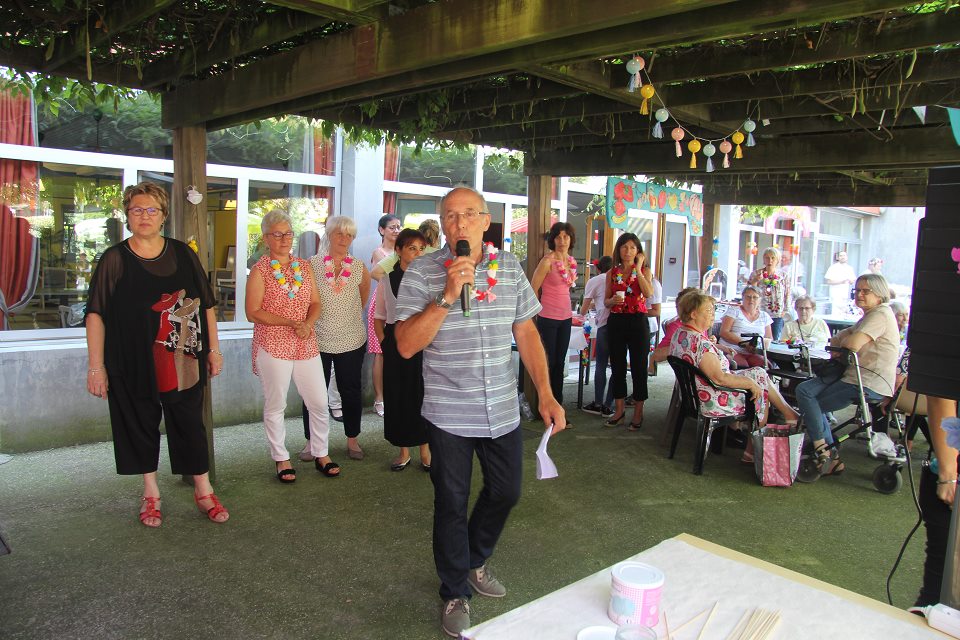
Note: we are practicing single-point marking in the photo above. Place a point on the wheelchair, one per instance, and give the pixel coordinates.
(887, 477)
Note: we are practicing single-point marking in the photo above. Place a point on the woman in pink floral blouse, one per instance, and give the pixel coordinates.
(690, 344)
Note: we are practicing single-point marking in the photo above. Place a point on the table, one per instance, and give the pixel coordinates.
(698, 574)
(840, 322)
(782, 349)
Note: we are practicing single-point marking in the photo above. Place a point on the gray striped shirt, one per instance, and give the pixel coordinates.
(470, 387)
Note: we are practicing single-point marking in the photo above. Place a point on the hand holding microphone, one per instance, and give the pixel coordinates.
(463, 250)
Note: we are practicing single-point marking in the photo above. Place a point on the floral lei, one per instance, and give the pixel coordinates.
(630, 281)
(568, 272)
(282, 280)
(772, 281)
(493, 264)
(339, 282)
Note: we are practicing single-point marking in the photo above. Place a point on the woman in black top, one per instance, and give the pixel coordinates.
(151, 341)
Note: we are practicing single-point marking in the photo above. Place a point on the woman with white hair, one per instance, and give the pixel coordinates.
(283, 303)
(774, 287)
(876, 340)
(807, 329)
(343, 284)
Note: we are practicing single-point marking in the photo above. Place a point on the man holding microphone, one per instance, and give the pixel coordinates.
(470, 400)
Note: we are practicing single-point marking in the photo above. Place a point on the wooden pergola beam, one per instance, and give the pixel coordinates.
(925, 147)
(458, 30)
(274, 28)
(28, 59)
(474, 40)
(811, 195)
(904, 33)
(939, 93)
(352, 11)
(121, 15)
(834, 78)
(469, 100)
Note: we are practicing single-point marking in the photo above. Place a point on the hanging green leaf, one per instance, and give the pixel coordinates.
(913, 61)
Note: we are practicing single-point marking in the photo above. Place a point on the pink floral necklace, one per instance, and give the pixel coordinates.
(568, 272)
(337, 283)
(493, 264)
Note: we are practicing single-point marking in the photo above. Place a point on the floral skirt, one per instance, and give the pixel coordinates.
(373, 345)
(721, 404)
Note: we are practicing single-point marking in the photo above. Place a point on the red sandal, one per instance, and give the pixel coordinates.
(150, 508)
(213, 511)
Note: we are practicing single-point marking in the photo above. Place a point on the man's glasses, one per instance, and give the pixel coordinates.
(276, 235)
(470, 216)
(139, 211)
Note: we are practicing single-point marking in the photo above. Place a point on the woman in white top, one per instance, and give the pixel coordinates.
(807, 329)
(745, 319)
(774, 287)
(344, 286)
(403, 425)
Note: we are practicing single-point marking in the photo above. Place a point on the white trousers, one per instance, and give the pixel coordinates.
(275, 377)
(333, 393)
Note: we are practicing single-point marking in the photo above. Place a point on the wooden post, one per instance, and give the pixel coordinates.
(538, 221)
(711, 222)
(189, 220)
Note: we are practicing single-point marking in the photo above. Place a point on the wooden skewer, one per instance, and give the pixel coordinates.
(707, 622)
(738, 630)
(666, 625)
(690, 621)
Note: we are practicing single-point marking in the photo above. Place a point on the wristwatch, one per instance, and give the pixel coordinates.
(441, 302)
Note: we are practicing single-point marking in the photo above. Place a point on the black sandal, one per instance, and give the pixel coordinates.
(327, 469)
(635, 426)
(287, 476)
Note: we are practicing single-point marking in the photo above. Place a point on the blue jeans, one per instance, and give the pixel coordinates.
(815, 397)
(602, 343)
(459, 543)
(776, 329)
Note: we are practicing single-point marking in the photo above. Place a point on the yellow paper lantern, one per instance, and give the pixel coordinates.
(646, 91)
(694, 147)
(737, 138)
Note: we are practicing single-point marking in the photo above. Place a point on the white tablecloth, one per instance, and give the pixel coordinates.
(783, 349)
(698, 574)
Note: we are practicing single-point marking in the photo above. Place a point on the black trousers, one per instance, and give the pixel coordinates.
(555, 335)
(459, 543)
(349, 365)
(936, 520)
(628, 332)
(135, 422)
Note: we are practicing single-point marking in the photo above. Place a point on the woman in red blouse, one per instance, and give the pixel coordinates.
(628, 285)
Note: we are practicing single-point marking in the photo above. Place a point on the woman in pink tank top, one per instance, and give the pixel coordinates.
(555, 276)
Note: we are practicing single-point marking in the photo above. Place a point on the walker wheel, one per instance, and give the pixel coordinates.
(808, 471)
(887, 479)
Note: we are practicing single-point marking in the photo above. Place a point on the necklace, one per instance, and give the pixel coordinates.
(493, 264)
(568, 272)
(632, 280)
(282, 280)
(339, 282)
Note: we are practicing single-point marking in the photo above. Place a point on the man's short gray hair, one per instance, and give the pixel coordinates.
(483, 201)
(878, 284)
(273, 218)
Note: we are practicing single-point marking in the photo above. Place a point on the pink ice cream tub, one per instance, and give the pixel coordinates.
(635, 594)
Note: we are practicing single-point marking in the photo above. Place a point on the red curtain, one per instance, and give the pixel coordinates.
(391, 168)
(18, 185)
(324, 159)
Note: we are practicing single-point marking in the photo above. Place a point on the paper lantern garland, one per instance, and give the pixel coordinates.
(635, 67)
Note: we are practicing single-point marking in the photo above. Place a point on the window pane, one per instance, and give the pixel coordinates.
(836, 224)
(78, 215)
(308, 208)
(500, 177)
(438, 167)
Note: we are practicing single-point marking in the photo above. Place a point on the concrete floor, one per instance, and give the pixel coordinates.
(351, 558)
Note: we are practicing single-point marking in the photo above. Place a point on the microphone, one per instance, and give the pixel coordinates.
(463, 249)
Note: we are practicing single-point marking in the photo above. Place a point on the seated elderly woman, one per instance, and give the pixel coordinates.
(876, 339)
(806, 328)
(690, 344)
(662, 350)
(748, 318)
(902, 316)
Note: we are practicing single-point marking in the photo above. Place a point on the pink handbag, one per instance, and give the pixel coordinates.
(776, 454)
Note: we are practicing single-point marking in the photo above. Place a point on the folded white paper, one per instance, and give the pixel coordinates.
(545, 467)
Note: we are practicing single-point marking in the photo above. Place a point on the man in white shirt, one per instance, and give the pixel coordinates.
(840, 276)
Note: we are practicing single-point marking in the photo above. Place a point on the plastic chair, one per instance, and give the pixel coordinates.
(687, 375)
